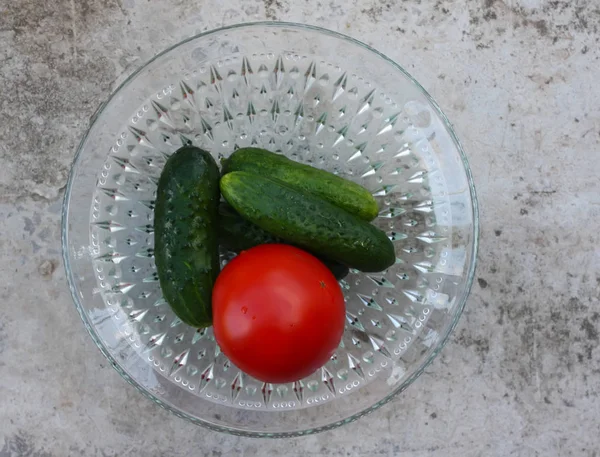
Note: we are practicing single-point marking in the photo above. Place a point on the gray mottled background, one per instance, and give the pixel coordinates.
(518, 78)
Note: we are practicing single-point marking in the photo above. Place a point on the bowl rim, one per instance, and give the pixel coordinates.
(231, 430)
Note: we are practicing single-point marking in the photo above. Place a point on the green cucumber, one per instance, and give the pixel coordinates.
(343, 193)
(186, 248)
(308, 221)
(339, 271)
(237, 234)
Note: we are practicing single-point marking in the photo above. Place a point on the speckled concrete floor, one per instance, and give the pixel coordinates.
(518, 78)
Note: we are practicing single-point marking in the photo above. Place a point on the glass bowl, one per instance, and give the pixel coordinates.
(320, 98)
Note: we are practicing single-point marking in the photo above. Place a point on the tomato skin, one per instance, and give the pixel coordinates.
(278, 313)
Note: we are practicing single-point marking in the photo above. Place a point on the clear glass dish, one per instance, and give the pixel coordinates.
(320, 98)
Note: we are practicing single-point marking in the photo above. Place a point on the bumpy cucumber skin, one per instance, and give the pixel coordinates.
(338, 191)
(308, 221)
(186, 218)
(238, 234)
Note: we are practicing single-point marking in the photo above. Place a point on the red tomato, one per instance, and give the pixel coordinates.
(278, 313)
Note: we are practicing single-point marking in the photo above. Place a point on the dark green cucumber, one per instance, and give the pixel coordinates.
(237, 234)
(343, 193)
(308, 221)
(339, 271)
(186, 248)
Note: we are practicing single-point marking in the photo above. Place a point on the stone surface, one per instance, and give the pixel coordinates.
(518, 78)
